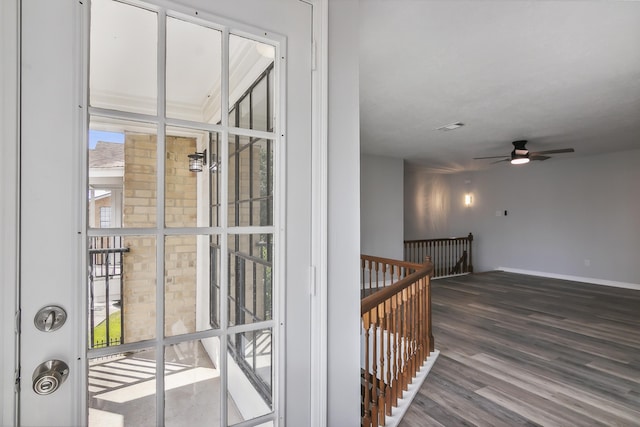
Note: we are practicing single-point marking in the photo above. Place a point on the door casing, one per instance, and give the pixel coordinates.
(9, 220)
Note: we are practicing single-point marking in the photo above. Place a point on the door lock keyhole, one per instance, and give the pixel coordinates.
(50, 318)
(49, 376)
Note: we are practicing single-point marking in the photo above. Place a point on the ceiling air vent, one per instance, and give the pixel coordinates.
(450, 126)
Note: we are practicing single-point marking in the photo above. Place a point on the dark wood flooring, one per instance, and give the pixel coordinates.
(520, 350)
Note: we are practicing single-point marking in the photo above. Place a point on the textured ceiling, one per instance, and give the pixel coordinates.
(556, 73)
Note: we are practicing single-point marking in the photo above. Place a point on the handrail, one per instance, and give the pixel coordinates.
(108, 251)
(379, 272)
(391, 261)
(397, 339)
(450, 255)
(372, 301)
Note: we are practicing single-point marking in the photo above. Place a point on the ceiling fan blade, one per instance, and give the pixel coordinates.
(500, 161)
(537, 157)
(562, 150)
(490, 157)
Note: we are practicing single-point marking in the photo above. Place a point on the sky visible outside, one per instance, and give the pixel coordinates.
(97, 135)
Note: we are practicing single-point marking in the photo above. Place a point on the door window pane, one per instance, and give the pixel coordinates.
(189, 199)
(250, 278)
(187, 284)
(250, 178)
(259, 104)
(122, 389)
(121, 290)
(193, 71)
(123, 63)
(122, 173)
(192, 383)
(249, 63)
(250, 362)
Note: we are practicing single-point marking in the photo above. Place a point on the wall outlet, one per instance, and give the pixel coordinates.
(587, 263)
(498, 213)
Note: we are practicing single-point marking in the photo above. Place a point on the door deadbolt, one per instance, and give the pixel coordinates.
(49, 376)
(50, 318)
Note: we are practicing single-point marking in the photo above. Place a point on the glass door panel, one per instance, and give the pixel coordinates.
(250, 178)
(191, 177)
(121, 290)
(170, 272)
(194, 56)
(123, 63)
(250, 62)
(187, 283)
(122, 153)
(250, 369)
(122, 389)
(250, 278)
(191, 385)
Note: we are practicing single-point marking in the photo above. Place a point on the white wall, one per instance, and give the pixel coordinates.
(561, 215)
(343, 249)
(381, 205)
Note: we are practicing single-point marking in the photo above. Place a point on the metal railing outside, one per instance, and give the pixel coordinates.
(105, 291)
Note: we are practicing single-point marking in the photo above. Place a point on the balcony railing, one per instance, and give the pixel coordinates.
(450, 256)
(105, 290)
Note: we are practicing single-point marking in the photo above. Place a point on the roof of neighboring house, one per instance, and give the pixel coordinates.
(107, 155)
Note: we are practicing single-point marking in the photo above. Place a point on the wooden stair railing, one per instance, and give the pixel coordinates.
(453, 255)
(378, 272)
(397, 339)
(461, 265)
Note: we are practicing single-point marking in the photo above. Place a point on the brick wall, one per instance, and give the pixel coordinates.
(139, 206)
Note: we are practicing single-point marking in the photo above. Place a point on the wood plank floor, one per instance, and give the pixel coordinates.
(521, 350)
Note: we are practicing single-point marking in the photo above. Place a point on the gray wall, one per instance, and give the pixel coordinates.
(343, 378)
(562, 214)
(427, 204)
(381, 204)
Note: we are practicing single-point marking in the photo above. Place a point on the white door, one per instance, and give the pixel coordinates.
(176, 238)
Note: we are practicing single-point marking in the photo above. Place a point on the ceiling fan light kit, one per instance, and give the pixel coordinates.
(521, 155)
(519, 160)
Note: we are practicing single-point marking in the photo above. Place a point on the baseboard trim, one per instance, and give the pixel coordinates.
(591, 280)
(412, 389)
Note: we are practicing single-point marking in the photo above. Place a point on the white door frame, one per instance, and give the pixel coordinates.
(9, 214)
(319, 236)
(9, 222)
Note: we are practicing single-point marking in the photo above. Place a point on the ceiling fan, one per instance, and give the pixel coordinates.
(520, 155)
